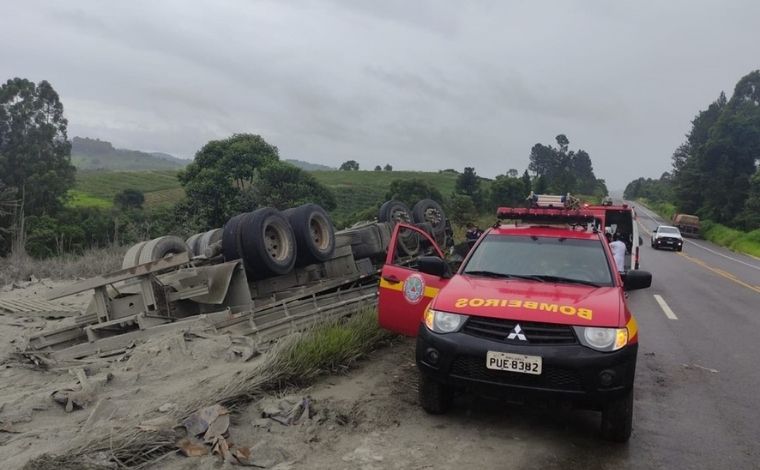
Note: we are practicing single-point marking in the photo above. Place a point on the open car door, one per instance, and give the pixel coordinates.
(405, 292)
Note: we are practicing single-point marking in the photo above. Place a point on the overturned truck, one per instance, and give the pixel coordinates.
(264, 274)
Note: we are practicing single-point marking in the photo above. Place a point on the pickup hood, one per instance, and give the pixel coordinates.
(570, 304)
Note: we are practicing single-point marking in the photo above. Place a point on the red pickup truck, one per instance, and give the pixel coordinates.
(537, 309)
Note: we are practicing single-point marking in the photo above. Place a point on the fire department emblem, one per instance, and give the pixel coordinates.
(414, 288)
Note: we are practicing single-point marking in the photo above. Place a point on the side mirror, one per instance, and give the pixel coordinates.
(434, 265)
(641, 241)
(636, 279)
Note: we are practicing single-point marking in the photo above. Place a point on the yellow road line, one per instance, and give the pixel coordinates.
(720, 272)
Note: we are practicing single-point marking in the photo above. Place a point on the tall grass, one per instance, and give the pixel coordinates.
(90, 263)
(737, 240)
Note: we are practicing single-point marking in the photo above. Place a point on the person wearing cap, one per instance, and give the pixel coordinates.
(618, 252)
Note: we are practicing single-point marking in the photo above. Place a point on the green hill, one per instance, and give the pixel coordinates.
(97, 188)
(354, 190)
(94, 154)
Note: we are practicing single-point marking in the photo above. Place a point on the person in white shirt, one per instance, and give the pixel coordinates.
(618, 252)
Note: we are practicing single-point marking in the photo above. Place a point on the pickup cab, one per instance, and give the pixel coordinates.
(536, 310)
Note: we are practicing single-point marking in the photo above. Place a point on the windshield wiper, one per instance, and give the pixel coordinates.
(505, 275)
(566, 280)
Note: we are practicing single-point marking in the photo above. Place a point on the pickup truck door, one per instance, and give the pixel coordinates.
(405, 292)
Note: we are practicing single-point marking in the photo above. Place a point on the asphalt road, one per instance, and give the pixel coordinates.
(698, 379)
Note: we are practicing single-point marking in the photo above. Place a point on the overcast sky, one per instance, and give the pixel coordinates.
(422, 85)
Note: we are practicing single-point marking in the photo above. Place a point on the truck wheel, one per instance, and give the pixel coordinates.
(679, 249)
(132, 256)
(314, 233)
(617, 418)
(395, 212)
(192, 243)
(267, 242)
(435, 397)
(162, 246)
(230, 241)
(207, 239)
(427, 210)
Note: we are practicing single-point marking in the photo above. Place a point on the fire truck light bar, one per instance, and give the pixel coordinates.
(568, 216)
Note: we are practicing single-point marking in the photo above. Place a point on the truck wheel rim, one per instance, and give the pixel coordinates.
(276, 242)
(319, 233)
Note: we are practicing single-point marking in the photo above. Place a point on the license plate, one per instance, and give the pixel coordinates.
(513, 362)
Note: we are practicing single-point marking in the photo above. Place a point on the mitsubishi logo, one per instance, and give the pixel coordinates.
(517, 333)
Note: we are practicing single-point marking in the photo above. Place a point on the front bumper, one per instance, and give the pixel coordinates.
(673, 243)
(569, 372)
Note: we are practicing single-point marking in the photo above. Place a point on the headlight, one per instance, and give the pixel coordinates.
(602, 339)
(443, 322)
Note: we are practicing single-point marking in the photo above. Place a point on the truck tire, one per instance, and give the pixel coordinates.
(132, 256)
(230, 241)
(617, 418)
(314, 233)
(207, 239)
(367, 241)
(162, 246)
(426, 227)
(394, 212)
(192, 243)
(267, 242)
(409, 242)
(427, 210)
(435, 397)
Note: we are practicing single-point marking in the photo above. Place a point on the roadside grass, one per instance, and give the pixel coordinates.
(736, 240)
(297, 360)
(92, 262)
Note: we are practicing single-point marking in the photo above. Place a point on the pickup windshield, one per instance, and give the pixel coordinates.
(544, 259)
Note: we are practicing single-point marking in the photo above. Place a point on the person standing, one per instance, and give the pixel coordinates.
(618, 252)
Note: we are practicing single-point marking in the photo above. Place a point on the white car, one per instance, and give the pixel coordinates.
(666, 236)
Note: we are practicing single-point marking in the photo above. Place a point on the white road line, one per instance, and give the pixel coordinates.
(665, 308)
(721, 254)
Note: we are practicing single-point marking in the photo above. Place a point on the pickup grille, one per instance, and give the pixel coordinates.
(498, 329)
(551, 378)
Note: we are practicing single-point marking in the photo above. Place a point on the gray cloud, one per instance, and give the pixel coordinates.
(419, 85)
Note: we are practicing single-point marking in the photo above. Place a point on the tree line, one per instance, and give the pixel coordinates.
(227, 176)
(715, 170)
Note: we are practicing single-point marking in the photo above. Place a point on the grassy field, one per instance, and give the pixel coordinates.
(354, 190)
(97, 188)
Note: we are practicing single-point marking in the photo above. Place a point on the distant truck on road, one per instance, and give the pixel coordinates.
(688, 225)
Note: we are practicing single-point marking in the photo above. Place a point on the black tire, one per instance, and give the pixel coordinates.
(132, 256)
(192, 243)
(394, 212)
(366, 241)
(435, 397)
(162, 246)
(617, 418)
(230, 241)
(679, 249)
(267, 242)
(427, 210)
(314, 233)
(409, 242)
